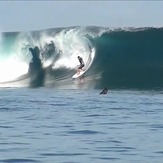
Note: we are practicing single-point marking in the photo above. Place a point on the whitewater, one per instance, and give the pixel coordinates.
(15, 55)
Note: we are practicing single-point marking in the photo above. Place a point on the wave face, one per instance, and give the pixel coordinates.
(122, 58)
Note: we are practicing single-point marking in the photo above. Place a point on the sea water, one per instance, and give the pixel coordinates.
(47, 125)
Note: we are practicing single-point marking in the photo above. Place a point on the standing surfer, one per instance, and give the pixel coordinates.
(81, 64)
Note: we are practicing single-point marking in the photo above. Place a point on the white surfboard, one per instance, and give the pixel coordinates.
(86, 67)
(78, 74)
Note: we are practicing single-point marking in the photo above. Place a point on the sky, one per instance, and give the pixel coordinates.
(35, 15)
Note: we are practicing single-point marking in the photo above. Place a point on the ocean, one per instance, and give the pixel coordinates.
(48, 125)
(48, 117)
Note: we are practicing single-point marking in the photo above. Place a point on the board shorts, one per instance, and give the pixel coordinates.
(81, 66)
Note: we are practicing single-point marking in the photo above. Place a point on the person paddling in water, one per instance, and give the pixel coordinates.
(80, 67)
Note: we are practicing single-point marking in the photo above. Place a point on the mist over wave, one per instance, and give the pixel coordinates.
(122, 58)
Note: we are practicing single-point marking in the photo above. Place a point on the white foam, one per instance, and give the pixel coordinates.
(71, 43)
(11, 69)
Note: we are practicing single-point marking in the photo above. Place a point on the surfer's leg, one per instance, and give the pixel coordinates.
(79, 69)
(82, 66)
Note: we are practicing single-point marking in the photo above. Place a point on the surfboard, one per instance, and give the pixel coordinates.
(78, 74)
(86, 67)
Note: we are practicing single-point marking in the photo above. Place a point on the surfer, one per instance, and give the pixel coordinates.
(80, 67)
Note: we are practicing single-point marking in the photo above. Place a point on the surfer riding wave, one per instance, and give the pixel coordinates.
(80, 67)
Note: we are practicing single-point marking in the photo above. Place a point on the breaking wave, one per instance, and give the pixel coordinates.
(122, 58)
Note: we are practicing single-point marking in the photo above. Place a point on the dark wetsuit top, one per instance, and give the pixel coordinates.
(81, 63)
